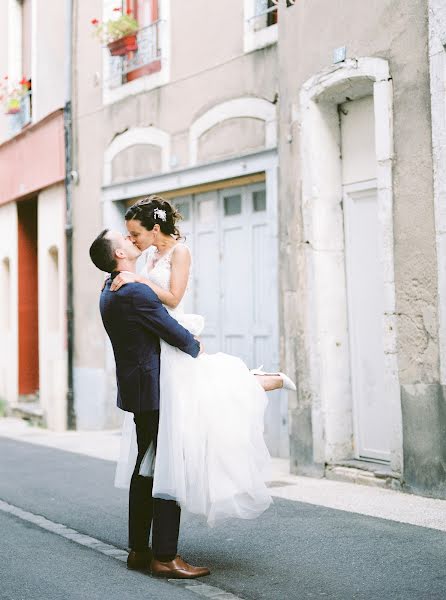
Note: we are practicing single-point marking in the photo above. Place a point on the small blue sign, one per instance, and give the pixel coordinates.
(339, 55)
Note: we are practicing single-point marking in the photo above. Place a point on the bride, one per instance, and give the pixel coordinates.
(211, 456)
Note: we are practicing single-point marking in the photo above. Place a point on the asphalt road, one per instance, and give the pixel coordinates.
(36, 564)
(295, 551)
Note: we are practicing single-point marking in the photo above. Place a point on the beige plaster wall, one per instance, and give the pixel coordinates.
(136, 161)
(52, 303)
(9, 304)
(3, 63)
(205, 72)
(396, 31)
(48, 57)
(210, 33)
(175, 106)
(244, 134)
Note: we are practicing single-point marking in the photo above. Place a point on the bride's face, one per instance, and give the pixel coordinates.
(139, 235)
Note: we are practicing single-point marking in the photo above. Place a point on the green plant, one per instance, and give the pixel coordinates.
(115, 29)
(2, 407)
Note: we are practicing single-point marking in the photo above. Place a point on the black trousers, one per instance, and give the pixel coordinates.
(147, 513)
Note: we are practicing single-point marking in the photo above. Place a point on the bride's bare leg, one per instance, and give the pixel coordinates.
(270, 382)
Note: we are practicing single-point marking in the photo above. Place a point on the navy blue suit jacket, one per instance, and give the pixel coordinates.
(135, 320)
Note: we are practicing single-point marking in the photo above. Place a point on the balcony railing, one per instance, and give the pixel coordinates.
(18, 120)
(265, 16)
(143, 61)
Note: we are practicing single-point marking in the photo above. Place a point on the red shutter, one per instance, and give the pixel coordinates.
(146, 12)
(130, 5)
(155, 10)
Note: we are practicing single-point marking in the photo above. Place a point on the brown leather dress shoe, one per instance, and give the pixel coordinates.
(139, 561)
(177, 569)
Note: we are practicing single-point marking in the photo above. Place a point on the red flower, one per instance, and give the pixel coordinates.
(94, 21)
(129, 11)
(117, 9)
(23, 81)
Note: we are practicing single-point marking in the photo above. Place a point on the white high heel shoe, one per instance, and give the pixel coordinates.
(288, 384)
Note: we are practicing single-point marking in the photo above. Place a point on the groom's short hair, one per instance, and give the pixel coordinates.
(102, 252)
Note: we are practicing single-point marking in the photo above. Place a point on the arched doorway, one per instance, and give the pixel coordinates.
(347, 212)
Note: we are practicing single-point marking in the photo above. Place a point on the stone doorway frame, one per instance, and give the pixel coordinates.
(326, 326)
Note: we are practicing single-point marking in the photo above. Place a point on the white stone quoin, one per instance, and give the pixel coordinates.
(437, 63)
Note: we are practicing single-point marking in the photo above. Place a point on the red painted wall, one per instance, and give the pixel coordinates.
(34, 159)
(28, 298)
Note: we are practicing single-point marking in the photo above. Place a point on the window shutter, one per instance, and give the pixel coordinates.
(155, 10)
(145, 11)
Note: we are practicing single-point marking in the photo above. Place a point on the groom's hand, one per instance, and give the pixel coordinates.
(201, 345)
(123, 278)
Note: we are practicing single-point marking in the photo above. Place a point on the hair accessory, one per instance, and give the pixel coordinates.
(160, 214)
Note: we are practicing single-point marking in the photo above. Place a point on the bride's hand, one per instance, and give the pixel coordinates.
(123, 278)
(105, 283)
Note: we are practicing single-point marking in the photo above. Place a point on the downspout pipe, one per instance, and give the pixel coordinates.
(68, 137)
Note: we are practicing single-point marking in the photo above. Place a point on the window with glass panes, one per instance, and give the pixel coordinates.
(266, 13)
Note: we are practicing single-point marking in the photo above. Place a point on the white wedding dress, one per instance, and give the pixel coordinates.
(211, 456)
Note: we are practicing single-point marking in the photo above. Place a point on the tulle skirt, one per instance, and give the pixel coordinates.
(211, 456)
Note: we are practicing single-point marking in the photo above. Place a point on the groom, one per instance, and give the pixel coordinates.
(135, 320)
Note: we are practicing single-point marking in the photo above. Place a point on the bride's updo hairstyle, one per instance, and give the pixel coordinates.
(154, 210)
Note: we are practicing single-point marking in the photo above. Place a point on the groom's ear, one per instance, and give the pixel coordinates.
(119, 253)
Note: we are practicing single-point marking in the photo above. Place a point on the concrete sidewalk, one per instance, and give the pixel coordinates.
(350, 497)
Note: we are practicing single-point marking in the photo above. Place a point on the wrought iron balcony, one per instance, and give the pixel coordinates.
(143, 61)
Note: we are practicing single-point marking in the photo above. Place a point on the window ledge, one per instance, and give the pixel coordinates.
(254, 40)
(141, 84)
(148, 68)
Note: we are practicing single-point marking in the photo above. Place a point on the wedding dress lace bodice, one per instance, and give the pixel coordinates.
(159, 274)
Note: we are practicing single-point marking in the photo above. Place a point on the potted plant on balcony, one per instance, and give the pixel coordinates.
(12, 105)
(118, 34)
(12, 96)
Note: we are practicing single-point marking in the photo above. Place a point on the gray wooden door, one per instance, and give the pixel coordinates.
(231, 233)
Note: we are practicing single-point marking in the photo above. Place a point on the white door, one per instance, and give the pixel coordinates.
(365, 288)
(232, 236)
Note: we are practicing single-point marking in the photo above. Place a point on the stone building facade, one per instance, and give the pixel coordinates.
(358, 238)
(33, 351)
(306, 157)
(190, 115)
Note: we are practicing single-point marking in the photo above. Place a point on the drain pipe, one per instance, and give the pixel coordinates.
(68, 135)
